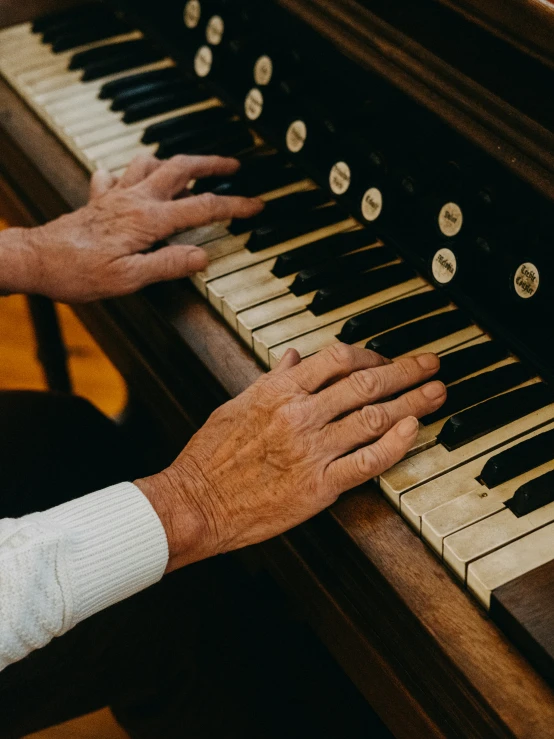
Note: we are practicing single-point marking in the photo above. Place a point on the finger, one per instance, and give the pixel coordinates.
(372, 421)
(176, 173)
(100, 182)
(169, 263)
(289, 359)
(332, 364)
(360, 466)
(204, 209)
(370, 385)
(140, 168)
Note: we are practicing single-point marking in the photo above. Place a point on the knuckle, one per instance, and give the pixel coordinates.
(208, 201)
(291, 416)
(366, 460)
(366, 384)
(375, 419)
(340, 354)
(179, 160)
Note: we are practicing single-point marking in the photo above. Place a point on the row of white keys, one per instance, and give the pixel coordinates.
(252, 289)
(94, 133)
(303, 321)
(436, 461)
(314, 341)
(513, 560)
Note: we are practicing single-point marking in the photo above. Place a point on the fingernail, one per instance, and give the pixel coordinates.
(428, 361)
(433, 390)
(408, 427)
(198, 260)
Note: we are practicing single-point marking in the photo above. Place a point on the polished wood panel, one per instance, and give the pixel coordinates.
(523, 608)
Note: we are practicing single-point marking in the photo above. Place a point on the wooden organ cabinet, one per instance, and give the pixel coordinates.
(406, 154)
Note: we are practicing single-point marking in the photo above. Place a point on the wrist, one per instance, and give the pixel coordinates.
(188, 536)
(18, 260)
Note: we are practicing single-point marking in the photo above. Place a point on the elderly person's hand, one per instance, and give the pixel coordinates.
(97, 251)
(287, 447)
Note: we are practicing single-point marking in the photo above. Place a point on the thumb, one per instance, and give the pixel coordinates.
(101, 181)
(171, 263)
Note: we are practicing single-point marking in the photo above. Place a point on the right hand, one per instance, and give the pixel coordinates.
(288, 446)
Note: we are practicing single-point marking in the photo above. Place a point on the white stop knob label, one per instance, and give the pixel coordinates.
(254, 104)
(263, 70)
(296, 136)
(526, 280)
(203, 61)
(450, 219)
(214, 30)
(444, 266)
(339, 178)
(372, 204)
(191, 14)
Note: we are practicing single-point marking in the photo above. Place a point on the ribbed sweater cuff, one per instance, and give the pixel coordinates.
(114, 546)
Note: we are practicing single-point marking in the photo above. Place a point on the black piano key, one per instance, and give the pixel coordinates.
(418, 333)
(119, 63)
(100, 53)
(329, 298)
(463, 362)
(475, 422)
(476, 389)
(532, 495)
(163, 103)
(267, 236)
(231, 142)
(148, 90)
(334, 271)
(112, 89)
(65, 41)
(288, 206)
(518, 459)
(393, 314)
(72, 15)
(305, 256)
(193, 122)
(259, 173)
(206, 136)
(101, 16)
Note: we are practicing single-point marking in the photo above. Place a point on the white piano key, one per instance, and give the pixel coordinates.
(434, 462)
(509, 562)
(124, 158)
(92, 108)
(436, 493)
(438, 525)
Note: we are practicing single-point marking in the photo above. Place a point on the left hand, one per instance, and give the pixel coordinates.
(96, 252)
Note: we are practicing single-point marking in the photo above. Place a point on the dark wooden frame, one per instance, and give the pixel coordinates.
(422, 652)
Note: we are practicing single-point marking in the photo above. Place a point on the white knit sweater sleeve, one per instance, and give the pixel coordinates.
(65, 564)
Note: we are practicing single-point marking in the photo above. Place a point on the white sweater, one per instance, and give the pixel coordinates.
(65, 564)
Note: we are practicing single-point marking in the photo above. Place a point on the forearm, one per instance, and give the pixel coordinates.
(65, 564)
(17, 260)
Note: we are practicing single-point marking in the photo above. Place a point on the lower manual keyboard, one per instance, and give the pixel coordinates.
(477, 485)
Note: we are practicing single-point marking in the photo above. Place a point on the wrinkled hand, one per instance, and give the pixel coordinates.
(96, 252)
(287, 447)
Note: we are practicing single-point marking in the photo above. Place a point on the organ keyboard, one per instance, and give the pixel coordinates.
(371, 235)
